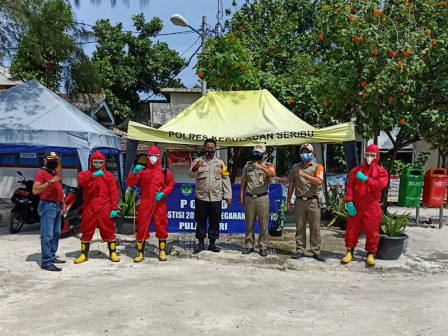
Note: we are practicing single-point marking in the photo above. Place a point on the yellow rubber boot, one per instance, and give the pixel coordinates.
(85, 245)
(348, 257)
(112, 251)
(162, 252)
(370, 259)
(141, 251)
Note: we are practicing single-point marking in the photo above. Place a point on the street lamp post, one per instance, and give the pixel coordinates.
(179, 20)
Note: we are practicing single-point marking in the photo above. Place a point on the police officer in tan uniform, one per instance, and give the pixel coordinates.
(255, 183)
(305, 179)
(212, 179)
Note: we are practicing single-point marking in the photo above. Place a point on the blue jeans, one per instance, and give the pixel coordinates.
(50, 230)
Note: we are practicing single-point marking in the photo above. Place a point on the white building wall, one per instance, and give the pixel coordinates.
(433, 161)
(184, 98)
(180, 174)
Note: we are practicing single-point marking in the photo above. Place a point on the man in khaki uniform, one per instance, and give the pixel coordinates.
(212, 179)
(255, 183)
(305, 179)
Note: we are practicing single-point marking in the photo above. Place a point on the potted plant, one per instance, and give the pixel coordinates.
(126, 213)
(277, 220)
(393, 240)
(337, 207)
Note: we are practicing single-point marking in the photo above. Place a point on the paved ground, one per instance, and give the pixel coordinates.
(224, 293)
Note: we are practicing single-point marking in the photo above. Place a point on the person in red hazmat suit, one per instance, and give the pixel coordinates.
(155, 185)
(364, 186)
(100, 194)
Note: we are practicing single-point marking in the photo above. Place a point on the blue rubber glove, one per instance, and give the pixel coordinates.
(113, 213)
(137, 168)
(159, 195)
(351, 209)
(361, 176)
(98, 173)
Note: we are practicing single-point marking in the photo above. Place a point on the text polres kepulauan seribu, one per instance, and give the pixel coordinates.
(268, 136)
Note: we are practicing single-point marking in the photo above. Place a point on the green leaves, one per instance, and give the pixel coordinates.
(126, 206)
(46, 46)
(226, 64)
(130, 65)
(393, 225)
(396, 51)
(15, 20)
(271, 40)
(337, 205)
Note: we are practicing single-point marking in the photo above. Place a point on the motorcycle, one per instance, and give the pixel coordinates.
(26, 204)
(73, 196)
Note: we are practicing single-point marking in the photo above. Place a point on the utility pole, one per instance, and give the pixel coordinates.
(204, 37)
(179, 20)
(219, 18)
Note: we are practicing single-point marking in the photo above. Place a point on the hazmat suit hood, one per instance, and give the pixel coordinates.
(153, 150)
(97, 155)
(373, 149)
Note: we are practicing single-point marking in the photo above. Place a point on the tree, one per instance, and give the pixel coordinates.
(46, 49)
(437, 135)
(133, 64)
(227, 64)
(15, 18)
(113, 2)
(382, 64)
(276, 34)
(38, 32)
(269, 39)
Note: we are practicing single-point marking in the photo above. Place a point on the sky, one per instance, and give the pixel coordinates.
(192, 10)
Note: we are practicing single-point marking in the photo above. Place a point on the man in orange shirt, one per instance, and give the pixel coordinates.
(305, 179)
(255, 183)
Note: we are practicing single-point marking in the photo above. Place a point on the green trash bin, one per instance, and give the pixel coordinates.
(411, 185)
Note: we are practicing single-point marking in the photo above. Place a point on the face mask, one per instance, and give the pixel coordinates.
(153, 159)
(210, 152)
(258, 156)
(97, 163)
(306, 156)
(370, 157)
(52, 164)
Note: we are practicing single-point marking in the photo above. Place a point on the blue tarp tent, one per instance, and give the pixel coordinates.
(35, 119)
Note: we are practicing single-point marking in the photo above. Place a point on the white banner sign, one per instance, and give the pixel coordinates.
(27, 155)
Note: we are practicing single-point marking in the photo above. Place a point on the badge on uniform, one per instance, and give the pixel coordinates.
(308, 173)
(219, 169)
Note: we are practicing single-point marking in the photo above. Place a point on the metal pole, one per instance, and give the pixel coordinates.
(417, 214)
(323, 149)
(218, 25)
(204, 37)
(440, 216)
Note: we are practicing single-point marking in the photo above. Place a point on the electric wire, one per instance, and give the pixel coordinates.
(9, 78)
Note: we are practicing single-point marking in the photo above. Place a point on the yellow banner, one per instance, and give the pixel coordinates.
(239, 118)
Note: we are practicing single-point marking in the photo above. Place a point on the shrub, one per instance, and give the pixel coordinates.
(393, 225)
(126, 206)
